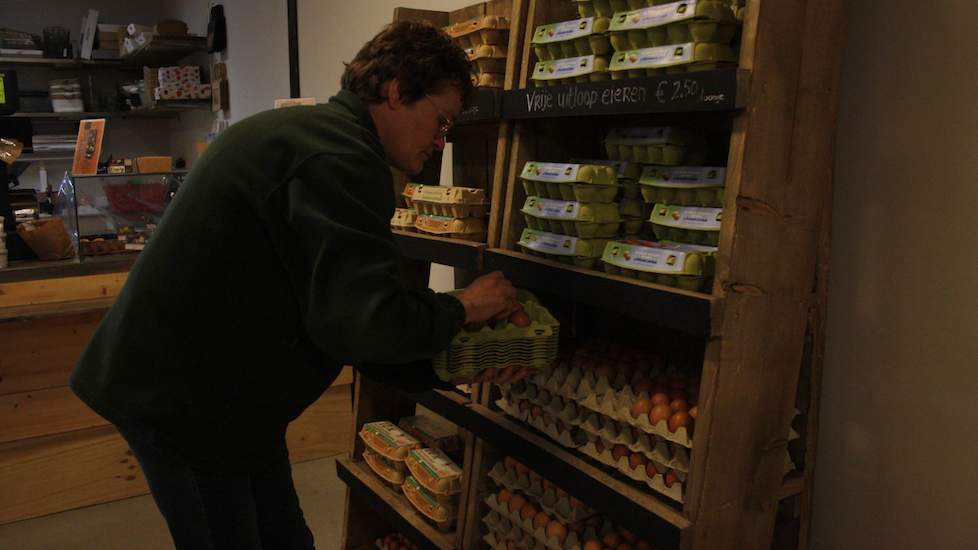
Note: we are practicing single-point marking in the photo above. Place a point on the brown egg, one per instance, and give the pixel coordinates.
(541, 520)
(619, 451)
(599, 445)
(504, 496)
(612, 539)
(671, 478)
(679, 405)
(694, 412)
(529, 511)
(659, 413)
(520, 318)
(557, 530)
(548, 420)
(536, 411)
(592, 545)
(659, 398)
(650, 470)
(525, 405)
(642, 385)
(561, 427)
(642, 545)
(544, 397)
(636, 433)
(640, 407)
(516, 503)
(679, 420)
(637, 460)
(547, 485)
(628, 536)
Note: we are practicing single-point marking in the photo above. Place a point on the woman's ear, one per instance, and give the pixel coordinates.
(394, 100)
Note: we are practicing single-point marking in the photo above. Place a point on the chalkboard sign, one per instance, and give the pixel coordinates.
(699, 91)
(482, 105)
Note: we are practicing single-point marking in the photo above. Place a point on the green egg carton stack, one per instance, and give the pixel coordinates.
(479, 347)
(587, 36)
(628, 174)
(573, 251)
(664, 145)
(687, 224)
(635, 214)
(684, 185)
(676, 37)
(570, 182)
(689, 267)
(576, 219)
(588, 68)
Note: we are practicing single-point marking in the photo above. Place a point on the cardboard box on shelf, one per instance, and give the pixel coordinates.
(146, 165)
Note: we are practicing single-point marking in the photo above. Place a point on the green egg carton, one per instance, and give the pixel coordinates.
(678, 58)
(570, 182)
(603, 8)
(673, 264)
(488, 29)
(653, 145)
(634, 214)
(479, 347)
(575, 38)
(626, 171)
(684, 185)
(488, 59)
(576, 219)
(587, 68)
(561, 248)
(687, 224)
(673, 23)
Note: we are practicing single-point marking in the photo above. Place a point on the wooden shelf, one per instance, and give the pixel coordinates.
(566, 469)
(392, 507)
(59, 63)
(33, 270)
(686, 92)
(166, 50)
(663, 305)
(441, 250)
(168, 110)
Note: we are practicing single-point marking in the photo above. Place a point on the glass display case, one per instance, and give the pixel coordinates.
(115, 213)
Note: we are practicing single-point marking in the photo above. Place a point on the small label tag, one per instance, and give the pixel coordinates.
(653, 58)
(567, 30)
(548, 171)
(564, 68)
(552, 209)
(549, 243)
(654, 16)
(684, 177)
(437, 463)
(688, 217)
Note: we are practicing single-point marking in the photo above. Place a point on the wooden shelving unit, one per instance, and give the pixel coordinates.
(761, 323)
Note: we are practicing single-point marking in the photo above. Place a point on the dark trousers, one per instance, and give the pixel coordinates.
(209, 509)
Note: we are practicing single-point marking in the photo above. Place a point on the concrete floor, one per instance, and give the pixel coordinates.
(136, 523)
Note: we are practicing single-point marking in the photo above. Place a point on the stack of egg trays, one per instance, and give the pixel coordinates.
(588, 68)
(607, 8)
(634, 216)
(475, 349)
(582, 253)
(408, 194)
(687, 224)
(488, 59)
(570, 182)
(698, 34)
(684, 185)
(472, 35)
(469, 229)
(404, 219)
(587, 36)
(576, 219)
(506, 529)
(557, 505)
(689, 267)
(456, 202)
(662, 145)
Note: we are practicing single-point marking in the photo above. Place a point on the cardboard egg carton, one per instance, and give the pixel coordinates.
(511, 527)
(404, 219)
(489, 80)
(488, 59)
(587, 68)
(486, 30)
(555, 503)
(469, 229)
(656, 483)
(456, 202)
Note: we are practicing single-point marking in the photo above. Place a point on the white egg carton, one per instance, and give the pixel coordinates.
(657, 483)
(511, 527)
(556, 504)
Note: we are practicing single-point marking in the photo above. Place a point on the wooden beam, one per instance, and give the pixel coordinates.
(44, 412)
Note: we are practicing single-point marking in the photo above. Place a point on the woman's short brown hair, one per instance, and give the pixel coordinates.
(421, 57)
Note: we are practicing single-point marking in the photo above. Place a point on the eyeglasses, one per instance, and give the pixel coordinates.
(444, 123)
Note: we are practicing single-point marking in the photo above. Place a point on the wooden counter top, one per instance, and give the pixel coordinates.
(33, 270)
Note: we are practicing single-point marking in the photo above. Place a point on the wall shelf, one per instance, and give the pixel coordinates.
(440, 250)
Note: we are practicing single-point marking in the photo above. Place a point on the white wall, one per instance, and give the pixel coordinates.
(898, 457)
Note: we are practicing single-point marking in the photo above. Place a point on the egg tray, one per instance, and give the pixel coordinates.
(580, 192)
(416, 494)
(687, 224)
(662, 145)
(570, 182)
(556, 505)
(455, 202)
(656, 483)
(708, 21)
(408, 193)
(571, 437)
(511, 527)
(625, 171)
(472, 351)
(417, 467)
(697, 266)
(374, 460)
(469, 229)
(575, 219)
(684, 185)
(674, 59)
(703, 196)
(488, 58)
(634, 209)
(404, 219)
(579, 37)
(486, 30)
(489, 80)
(588, 68)
(583, 253)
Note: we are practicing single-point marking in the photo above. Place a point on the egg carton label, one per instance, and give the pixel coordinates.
(421, 491)
(549, 243)
(684, 177)
(705, 249)
(659, 135)
(390, 434)
(437, 464)
(656, 260)
(549, 171)
(552, 209)
(567, 30)
(653, 58)
(564, 68)
(654, 16)
(688, 217)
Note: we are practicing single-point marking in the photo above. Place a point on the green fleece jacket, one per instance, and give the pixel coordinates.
(273, 266)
